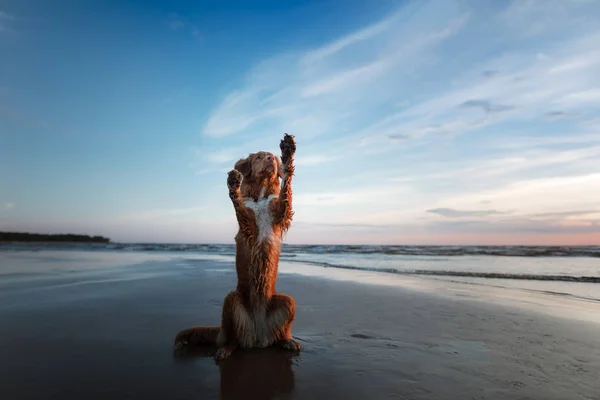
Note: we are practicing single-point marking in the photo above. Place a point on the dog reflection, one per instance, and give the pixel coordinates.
(251, 374)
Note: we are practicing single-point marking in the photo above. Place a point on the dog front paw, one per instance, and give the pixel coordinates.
(223, 353)
(288, 148)
(234, 179)
(290, 344)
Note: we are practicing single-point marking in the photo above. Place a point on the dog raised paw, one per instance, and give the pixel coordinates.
(290, 344)
(288, 147)
(234, 179)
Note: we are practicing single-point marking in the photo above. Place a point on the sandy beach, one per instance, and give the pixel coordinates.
(106, 330)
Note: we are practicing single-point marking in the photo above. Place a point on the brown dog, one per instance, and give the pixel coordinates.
(254, 315)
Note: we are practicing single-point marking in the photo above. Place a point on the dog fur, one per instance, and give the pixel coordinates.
(254, 315)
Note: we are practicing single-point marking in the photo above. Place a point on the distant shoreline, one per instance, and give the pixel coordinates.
(26, 237)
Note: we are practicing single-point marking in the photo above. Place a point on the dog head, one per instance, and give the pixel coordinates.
(260, 166)
(261, 173)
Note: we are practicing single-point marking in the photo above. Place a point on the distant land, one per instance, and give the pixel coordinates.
(40, 237)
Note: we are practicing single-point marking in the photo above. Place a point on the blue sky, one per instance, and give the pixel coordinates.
(429, 122)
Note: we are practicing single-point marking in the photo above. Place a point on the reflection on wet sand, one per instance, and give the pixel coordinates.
(250, 374)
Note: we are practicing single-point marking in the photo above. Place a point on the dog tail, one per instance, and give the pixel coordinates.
(197, 335)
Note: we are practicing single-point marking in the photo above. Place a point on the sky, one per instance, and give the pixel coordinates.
(417, 122)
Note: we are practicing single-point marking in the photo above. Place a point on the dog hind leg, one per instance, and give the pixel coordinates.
(236, 326)
(281, 315)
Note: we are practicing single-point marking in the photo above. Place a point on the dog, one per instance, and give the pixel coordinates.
(255, 315)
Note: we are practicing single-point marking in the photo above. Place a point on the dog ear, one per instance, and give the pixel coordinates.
(244, 166)
(279, 167)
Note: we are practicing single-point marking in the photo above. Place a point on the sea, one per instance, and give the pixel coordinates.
(572, 271)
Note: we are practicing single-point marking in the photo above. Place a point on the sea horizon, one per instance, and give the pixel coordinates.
(566, 270)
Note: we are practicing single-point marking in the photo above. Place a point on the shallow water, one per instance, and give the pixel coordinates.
(43, 266)
(567, 271)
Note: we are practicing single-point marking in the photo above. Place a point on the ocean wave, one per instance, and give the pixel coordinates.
(290, 250)
(507, 251)
(411, 260)
(466, 274)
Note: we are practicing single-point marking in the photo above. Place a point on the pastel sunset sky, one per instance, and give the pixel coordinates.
(417, 122)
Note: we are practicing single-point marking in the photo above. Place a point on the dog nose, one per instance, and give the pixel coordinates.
(269, 157)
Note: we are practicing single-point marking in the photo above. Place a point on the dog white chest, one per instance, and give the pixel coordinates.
(264, 219)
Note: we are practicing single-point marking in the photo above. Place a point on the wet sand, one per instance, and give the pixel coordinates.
(106, 332)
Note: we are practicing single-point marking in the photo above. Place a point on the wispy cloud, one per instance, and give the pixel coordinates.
(486, 106)
(530, 196)
(224, 156)
(227, 155)
(566, 214)
(325, 199)
(203, 171)
(341, 80)
(163, 213)
(196, 33)
(6, 20)
(177, 22)
(530, 160)
(525, 89)
(313, 159)
(452, 213)
(337, 83)
(530, 18)
(399, 136)
(554, 115)
(8, 206)
(361, 35)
